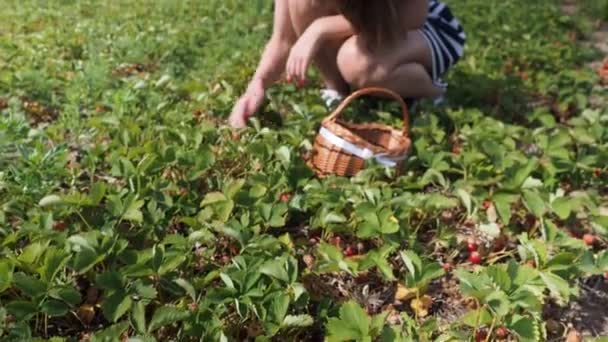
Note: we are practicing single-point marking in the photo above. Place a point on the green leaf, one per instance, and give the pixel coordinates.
(226, 279)
(476, 318)
(133, 212)
(85, 260)
(275, 269)
(339, 330)
(109, 280)
(223, 210)
(6, 274)
(98, 191)
(171, 263)
(559, 287)
(166, 315)
(33, 252)
(184, 284)
(334, 218)
(465, 198)
(29, 285)
(500, 277)
(498, 302)
(561, 261)
(138, 316)
(357, 317)
(562, 207)
(298, 321)
(503, 202)
(111, 333)
(54, 308)
(67, 294)
(526, 328)
(431, 271)
(517, 175)
(534, 203)
(21, 309)
(284, 155)
(377, 323)
(412, 261)
(145, 291)
(389, 223)
(602, 261)
(116, 305)
(213, 197)
(231, 189)
(54, 261)
(257, 191)
(50, 200)
(279, 307)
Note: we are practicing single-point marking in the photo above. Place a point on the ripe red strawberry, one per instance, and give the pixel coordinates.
(447, 267)
(502, 332)
(472, 245)
(350, 251)
(531, 263)
(285, 197)
(589, 239)
(59, 226)
(486, 204)
(481, 335)
(597, 173)
(475, 258)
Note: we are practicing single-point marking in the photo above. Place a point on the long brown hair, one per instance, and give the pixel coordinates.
(376, 21)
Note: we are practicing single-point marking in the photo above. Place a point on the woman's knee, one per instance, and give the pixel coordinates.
(360, 68)
(355, 66)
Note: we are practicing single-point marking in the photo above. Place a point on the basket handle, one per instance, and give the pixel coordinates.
(373, 91)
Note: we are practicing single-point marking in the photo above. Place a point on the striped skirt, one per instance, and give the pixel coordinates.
(446, 39)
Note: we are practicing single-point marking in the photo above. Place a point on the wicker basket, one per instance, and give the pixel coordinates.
(342, 148)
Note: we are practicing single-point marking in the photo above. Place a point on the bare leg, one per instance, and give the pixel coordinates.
(403, 68)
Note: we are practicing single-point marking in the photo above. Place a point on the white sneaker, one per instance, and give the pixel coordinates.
(439, 100)
(331, 97)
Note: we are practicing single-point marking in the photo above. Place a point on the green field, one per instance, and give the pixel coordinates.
(129, 211)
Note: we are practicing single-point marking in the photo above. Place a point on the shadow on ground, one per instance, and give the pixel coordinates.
(506, 98)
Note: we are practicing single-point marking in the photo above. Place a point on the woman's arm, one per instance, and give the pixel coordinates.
(334, 27)
(270, 67)
(321, 30)
(272, 62)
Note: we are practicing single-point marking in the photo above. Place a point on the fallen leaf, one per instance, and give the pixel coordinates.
(422, 305)
(403, 293)
(86, 313)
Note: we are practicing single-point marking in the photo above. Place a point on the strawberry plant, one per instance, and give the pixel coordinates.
(130, 211)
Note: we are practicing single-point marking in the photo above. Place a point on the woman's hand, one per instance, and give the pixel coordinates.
(301, 55)
(248, 104)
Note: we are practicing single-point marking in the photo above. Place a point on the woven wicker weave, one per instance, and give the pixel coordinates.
(330, 159)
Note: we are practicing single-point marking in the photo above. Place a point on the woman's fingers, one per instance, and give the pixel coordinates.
(238, 115)
(296, 68)
(290, 69)
(302, 71)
